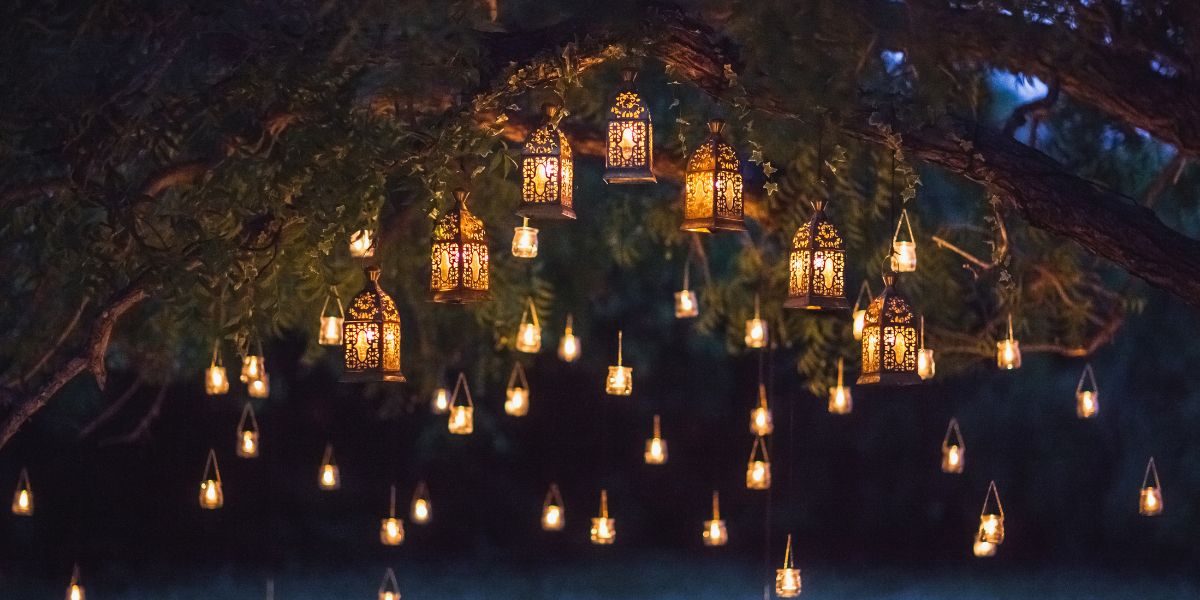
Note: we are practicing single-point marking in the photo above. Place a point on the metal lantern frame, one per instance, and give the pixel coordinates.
(817, 265)
(22, 503)
(391, 528)
(629, 155)
(1087, 400)
(1147, 507)
(247, 431)
(211, 479)
(547, 172)
(517, 382)
(462, 416)
(459, 264)
(329, 465)
(331, 324)
(371, 335)
(713, 188)
(955, 447)
(889, 342)
(553, 499)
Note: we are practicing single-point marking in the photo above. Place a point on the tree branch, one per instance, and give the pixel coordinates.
(112, 409)
(143, 426)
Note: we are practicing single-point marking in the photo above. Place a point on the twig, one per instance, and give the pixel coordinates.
(62, 338)
(144, 425)
(1168, 176)
(112, 409)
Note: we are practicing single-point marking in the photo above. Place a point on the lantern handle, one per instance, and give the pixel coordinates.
(922, 332)
(328, 458)
(553, 495)
(992, 493)
(716, 505)
(865, 288)
(657, 427)
(337, 298)
(603, 504)
(904, 220)
(952, 428)
(1010, 327)
(392, 503)
(1089, 374)
(532, 312)
(421, 491)
(759, 442)
(74, 575)
(1152, 469)
(518, 374)
(787, 554)
(570, 324)
(762, 394)
(211, 466)
(248, 413)
(841, 361)
(23, 481)
(389, 582)
(620, 339)
(461, 382)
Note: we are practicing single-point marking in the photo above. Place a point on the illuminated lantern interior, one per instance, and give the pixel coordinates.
(714, 533)
(547, 172)
(75, 587)
(371, 335)
(954, 450)
(630, 141)
(22, 504)
(761, 422)
(216, 381)
(525, 240)
(440, 404)
(422, 507)
(756, 329)
(889, 342)
(604, 529)
(529, 332)
(390, 588)
(1150, 501)
(568, 344)
(620, 377)
(459, 270)
(991, 524)
(516, 396)
(860, 310)
(713, 186)
(1087, 394)
(391, 529)
(841, 402)
(247, 433)
(1008, 350)
(329, 477)
(926, 367)
(553, 510)
(904, 251)
(330, 333)
(212, 496)
(462, 416)
(758, 469)
(656, 446)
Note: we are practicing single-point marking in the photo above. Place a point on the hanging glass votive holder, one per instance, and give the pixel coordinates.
(216, 381)
(568, 344)
(553, 510)
(604, 529)
(22, 504)
(1150, 501)
(991, 520)
(362, 244)
(925, 365)
(756, 329)
(758, 469)
(247, 433)
(1008, 351)
(656, 446)
(529, 333)
(841, 402)
(620, 378)
(440, 404)
(1087, 394)
(714, 533)
(330, 477)
(422, 507)
(904, 252)
(525, 240)
(787, 579)
(212, 496)
(761, 422)
(390, 588)
(75, 587)
(331, 325)
(686, 305)
(261, 387)
(391, 528)
(954, 450)
(462, 416)
(516, 395)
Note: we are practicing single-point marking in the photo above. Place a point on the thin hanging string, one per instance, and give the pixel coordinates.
(895, 213)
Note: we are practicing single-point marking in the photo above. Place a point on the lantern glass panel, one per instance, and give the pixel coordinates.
(261, 387)
(714, 533)
(787, 582)
(440, 404)
(525, 241)
(529, 338)
(758, 475)
(1087, 403)
(761, 422)
(247, 446)
(331, 331)
(22, 503)
(462, 420)
(953, 458)
(904, 257)
(211, 495)
(656, 451)
(619, 381)
(516, 401)
(991, 528)
(841, 401)
(422, 511)
(216, 382)
(568, 347)
(1008, 354)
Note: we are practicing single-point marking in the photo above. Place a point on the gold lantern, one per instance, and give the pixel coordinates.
(553, 510)
(247, 433)
(330, 333)
(1087, 394)
(362, 244)
(758, 469)
(1008, 351)
(516, 396)
(686, 305)
(462, 416)
(787, 579)
(714, 533)
(860, 310)
(604, 529)
(547, 172)
(954, 450)
(329, 477)
(889, 342)
(212, 496)
(991, 524)
(422, 507)
(391, 529)
(817, 265)
(75, 587)
(568, 344)
(390, 588)
(756, 329)
(656, 446)
(458, 256)
(713, 188)
(216, 382)
(371, 335)
(904, 251)
(1150, 502)
(630, 145)
(620, 378)
(22, 504)
(761, 422)
(926, 367)
(841, 402)
(440, 404)
(529, 332)
(525, 240)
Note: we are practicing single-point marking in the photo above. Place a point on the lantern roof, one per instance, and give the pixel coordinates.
(714, 153)
(372, 303)
(628, 103)
(459, 224)
(818, 233)
(890, 306)
(547, 139)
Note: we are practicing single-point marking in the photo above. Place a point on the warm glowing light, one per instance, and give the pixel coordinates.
(529, 333)
(756, 333)
(904, 252)
(517, 402)
(761, 422)
(216, 382)
(75, 588)
(860, 317)
(259, 388)
(620, 378)
(22, 504)
(331, 331)
(553, 513)
(547, 172)
(248, 448)
(656, 447)
(568, 344)
(212, 496)
(630, 140)
(841, 402)
(1087, 394)
(758, 469)
(462, 420)
(440, 404)
(991, 528)
(787, 579)
(604, 529)
(714, 533)
(952, 459)
(817, 265)
(391, 531)
(362, 244)
(254, 366)
(925, 365)
(525, 241)
(1008, 351)
(460, 270)
(983, 549)
(421, 511)
(686, 306)
(1150, 501)
(991, 524)
(330, 477)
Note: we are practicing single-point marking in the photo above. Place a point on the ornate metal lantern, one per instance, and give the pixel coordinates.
(22, 504)
(371, 335)
(330, 477)
(714, 533)
(525, 240)
(391, 529)
(1087, 394)
(330, 333)
(620, 377)
(459, 256)
(787, 579)
(991, 524)
(547, 172)
(212, 496)
(817, 266)
(926, 367)
(841, 401)
(568, 344)
(604, 529)
(630, 136)
(954, 450)
(761, 422)
(889, 343)
(462, 416)
(656, 446)
(516, 395)
(216, 381)
(247, 433)
(713, 195)
(422, 506)
(1150, 502)
(1008, 350)
(553, 510)
(758, 469)
(390, 588)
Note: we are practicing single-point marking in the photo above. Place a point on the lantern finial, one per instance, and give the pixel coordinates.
(372, 273)
(460, 196)
(716, 126)
(629, 75)
(550, 109)
(889, 278)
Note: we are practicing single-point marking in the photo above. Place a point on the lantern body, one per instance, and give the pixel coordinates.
(552, 517)
(860, 322)
(462, 420)
(362, 244)
(568, 347)
(619, 381)
(841, 402)
(389, 595)
(1150, 503)
(212, 496)
(547, 173)
(817, 265)
(714, 533)
(761, 422)
(787, 582)
(75, 592)
(983, 548)
(756, 333)
(331, 331)
(253, 368)
(604, 530)
(421, 510)
(525, 242)
(459, 271)
(686, 306)
(889, 342)
(953, 458)
(1087, 403)
(440, 404)
(216, 382)
(630, 141)
(529, 338)
(904, 257)
(22, 504)
(391, 531)
(991, 528)
(656, 451)
(516, 402)
(925, 365)
(330, 477)
(1008, 354)
(758, 475)
(713, 186)
(259, 388)
(371, 335)
(247, 446)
